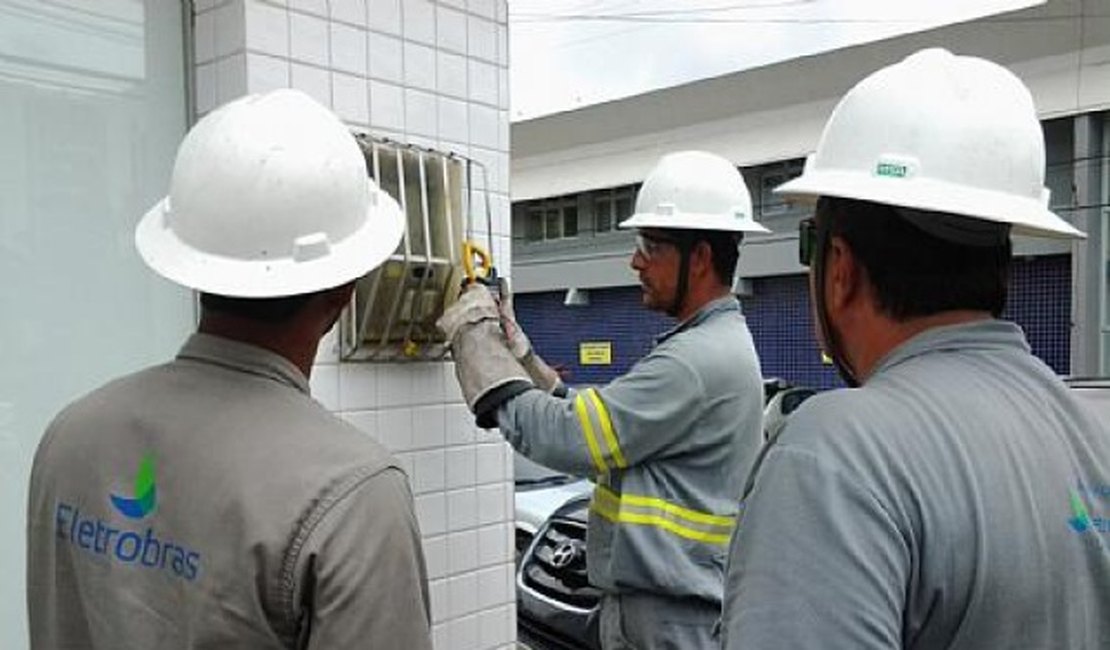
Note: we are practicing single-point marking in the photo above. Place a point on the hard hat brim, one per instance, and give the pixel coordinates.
(1026, 216)
(357, 254)
(691, 221)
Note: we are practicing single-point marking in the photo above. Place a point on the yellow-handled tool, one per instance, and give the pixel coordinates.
(484, 271)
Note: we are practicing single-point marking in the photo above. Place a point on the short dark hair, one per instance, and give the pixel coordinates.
(916, 273)
(724, 246)
(264, 310)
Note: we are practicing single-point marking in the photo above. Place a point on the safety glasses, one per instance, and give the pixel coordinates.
(650, 246)
(807, 241)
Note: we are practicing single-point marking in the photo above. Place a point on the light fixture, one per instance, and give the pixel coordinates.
(576, 297)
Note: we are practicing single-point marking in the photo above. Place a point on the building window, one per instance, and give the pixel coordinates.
(613, 206)
(551, 219)
(770, 177)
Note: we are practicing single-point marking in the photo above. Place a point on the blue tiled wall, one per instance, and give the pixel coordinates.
(779, 317)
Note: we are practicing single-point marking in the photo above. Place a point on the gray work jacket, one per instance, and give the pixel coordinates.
(668, 444)
(211, 503)
(958, 500)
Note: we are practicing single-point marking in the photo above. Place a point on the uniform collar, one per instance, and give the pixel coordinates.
(709, 309)
(986, 334)
(220, 351)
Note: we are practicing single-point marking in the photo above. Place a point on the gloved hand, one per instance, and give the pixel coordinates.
(543, 375)
(485, 368)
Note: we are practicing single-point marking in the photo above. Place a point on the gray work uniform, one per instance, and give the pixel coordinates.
(211, 503)
(959, 500)
(669, 445)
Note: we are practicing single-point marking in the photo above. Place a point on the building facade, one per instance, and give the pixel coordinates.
(575, 176)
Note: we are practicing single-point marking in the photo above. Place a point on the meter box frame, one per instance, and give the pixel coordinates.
(392, 313)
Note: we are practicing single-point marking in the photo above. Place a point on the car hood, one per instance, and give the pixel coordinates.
(533, 507)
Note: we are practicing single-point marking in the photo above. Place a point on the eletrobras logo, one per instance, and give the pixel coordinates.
(143, 548)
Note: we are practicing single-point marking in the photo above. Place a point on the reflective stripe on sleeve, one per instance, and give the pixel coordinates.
(588, 433)
(607, 428)
(653, 511)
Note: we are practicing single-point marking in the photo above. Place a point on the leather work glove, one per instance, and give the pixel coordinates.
(543, 376)
(487, 371)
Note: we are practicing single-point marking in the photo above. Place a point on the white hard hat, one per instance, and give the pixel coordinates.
(694, 190)
(942, 133)
(270, 197)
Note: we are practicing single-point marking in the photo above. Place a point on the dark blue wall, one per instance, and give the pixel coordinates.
(779, 317)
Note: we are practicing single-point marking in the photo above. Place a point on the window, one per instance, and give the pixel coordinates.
(613, 206)
(551, 219)
(770, 177)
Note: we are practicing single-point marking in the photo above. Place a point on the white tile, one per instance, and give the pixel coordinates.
(481, 37)
(502, 11)
(350, 98)
(384, 15)
(358, 384)
(458, 4)
(206, 87)
(201, 6)
(229, 28)
(491, 587)
(441, 603)
(420, 66)
(461, 595)
(485, 126)
(419, 21)
(490, 462)
(324, 386)
(493, 545)
(453, 119)
(451, 75)
(503, 142)
(267, 28)
(364, 421)
(395, 384)
(461, 467)
(266, 73)
(453, 394)
(491, 504)
(484, 8)
(462, 509)
(328, 349)
(314, 81)
(462, 552)
(441, 636)
(231, 78)
(428, 427)
(435, 556)
(387, 106)
(431, 512)
(204, 37)
(451, 30)
(308, 39)
(428, 471)
(459, 423)
(386, 61)
(491, 627)
(503, 94)
(395, 429)
(420, 113)
(502, 45)
(428, 377)
(491, 160)
(349, 11)
(464, 633)
(483, 82)
(318, 7)
(348, 49)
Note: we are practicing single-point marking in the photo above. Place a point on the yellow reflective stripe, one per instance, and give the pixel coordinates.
(607, 429)
(660, 522)
(674, 509)
(588, 433)
(612, 507)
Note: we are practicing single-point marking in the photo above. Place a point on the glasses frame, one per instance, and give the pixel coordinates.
(807, 241)
(649, 246)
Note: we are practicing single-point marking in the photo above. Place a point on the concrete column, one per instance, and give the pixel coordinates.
(1089, 256)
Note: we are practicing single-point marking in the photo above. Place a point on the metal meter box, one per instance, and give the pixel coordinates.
(393, 312)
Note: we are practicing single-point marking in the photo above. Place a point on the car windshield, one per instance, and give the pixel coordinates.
(528, 472)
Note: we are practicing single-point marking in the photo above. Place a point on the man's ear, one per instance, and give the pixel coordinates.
(701, 259)
(843, 276)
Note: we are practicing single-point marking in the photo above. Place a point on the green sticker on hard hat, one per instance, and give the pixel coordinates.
(895, 167)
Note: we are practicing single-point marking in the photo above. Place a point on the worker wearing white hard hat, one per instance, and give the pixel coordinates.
(945, 501)
(668, 444)
(210, 501)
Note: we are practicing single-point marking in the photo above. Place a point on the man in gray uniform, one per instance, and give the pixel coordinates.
(669, 443)
(956, 497)
(210, 502)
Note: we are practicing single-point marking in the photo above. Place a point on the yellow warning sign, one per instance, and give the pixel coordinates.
(595, 353)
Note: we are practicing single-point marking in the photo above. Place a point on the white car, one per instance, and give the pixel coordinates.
(539, 492)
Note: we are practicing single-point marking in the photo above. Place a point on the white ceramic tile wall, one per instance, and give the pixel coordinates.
(432, 73)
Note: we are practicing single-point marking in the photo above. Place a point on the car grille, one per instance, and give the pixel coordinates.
(555, 566)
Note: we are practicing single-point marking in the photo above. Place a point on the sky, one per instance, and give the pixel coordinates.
(565, 54)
